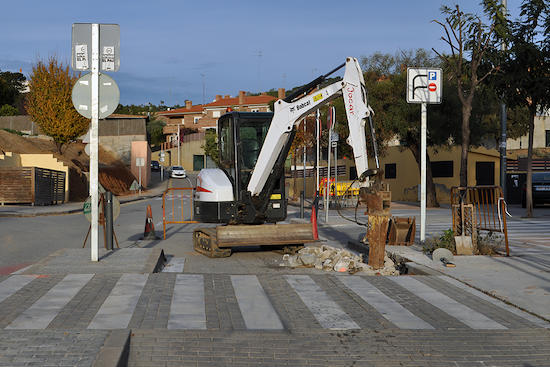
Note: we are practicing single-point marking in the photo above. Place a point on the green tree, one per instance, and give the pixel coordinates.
(525, 73)
(8, 110)
(471, 42)
(155, 134)
(210, 145)
(49, 102)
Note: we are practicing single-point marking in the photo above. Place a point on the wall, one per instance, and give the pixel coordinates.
(542, 123)
(187, 150)
(141, 149)
(36, 160)
(21, 123)
(121, 145)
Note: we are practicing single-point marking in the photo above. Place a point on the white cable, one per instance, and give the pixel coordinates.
(505, 210)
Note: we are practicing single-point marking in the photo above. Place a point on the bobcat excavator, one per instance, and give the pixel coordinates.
(247, 192)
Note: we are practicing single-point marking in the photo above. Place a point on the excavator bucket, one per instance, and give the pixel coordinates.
(217, 242)
(401, 231)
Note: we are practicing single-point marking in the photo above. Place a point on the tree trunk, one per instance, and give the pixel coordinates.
(466, 113)
(431, 197)
(529, 183)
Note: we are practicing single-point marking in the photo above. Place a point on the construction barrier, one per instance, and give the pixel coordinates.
(488, 209)
(177, 214)
(347, 194)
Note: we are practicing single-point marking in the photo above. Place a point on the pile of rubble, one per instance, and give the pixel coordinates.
(335, 259)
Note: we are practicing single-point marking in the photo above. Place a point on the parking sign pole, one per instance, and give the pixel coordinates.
(423, 127)
(94, 142)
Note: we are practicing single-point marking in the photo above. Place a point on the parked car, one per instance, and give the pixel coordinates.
(541, 189)
(177, 172)
(155, 166)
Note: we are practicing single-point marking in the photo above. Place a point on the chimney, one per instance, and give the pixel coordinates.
(281, 93)
(227, 96)
(218, 97)
(241, 97)
(188, 104)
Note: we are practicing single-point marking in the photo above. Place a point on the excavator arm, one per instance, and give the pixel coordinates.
(288, 113)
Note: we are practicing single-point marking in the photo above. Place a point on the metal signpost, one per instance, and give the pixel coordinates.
(140, 162)
(92, 43)
(424, 86)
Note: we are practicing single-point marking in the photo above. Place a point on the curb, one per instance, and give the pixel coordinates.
(115, 350)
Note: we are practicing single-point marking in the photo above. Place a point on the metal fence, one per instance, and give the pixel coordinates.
(175, 209)
(489, 208)
(34, 185)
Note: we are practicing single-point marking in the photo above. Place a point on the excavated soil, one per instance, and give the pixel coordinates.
(114, 176)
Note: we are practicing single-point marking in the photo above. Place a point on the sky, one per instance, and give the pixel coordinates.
(174, 51)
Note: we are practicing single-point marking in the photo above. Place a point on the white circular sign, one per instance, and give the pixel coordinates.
(109, 95)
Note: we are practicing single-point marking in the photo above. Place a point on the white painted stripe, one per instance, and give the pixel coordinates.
(256, 309)
(44, 310)
(174, 265)
(325, 310)
(22, 270)
(463, 313)
(516, 311)
(117, 310)
(14, 283)
(390, 309)
(188, 309)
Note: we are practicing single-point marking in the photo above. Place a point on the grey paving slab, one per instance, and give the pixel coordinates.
(470, 317)
(117, 310)
(325, 310)
(516, 311)
(174, 265)
(256, 309)
(389, 308)
(14, 283)
(187, 310)
(43, 311)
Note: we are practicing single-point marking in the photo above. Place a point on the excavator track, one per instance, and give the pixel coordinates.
(205, 242)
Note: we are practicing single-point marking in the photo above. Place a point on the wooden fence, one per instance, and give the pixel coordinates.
(37, 186)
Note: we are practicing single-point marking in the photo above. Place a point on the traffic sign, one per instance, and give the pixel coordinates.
(109, 47)
(109, 95)
(87, 208)
(424, 85)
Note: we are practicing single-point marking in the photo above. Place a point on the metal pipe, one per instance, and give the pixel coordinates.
(109, 219)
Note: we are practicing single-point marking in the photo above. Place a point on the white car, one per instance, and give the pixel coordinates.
(177, 172)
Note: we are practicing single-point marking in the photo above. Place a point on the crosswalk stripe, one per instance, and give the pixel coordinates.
(14, 283)
(174, 265)
(117, 310)
(504, 306)
(325, 310)
(390, 309)
(187, 310)
(44, 310)
(256, 309)
(463, 313)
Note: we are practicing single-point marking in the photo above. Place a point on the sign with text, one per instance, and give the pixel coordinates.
(109, 47)
(424, 85)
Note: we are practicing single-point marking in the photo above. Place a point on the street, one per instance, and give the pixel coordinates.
(247, 309)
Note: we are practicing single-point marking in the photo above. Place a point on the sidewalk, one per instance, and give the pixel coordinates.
(156, 188)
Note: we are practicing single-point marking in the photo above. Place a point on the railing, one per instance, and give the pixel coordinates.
(175, 214)
(488, 205)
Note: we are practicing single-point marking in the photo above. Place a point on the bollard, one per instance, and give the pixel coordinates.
(109, 219)
(302, 203)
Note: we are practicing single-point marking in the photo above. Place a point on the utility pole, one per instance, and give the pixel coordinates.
(503, 134)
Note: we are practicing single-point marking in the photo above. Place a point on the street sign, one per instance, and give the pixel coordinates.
(424, 85)
(87, 208)
(140, 162)
(109, 47)
(109, 95)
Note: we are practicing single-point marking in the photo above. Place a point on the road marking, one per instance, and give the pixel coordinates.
(390, 309)
(117, 310)
(463, 313)
(14, 283)
(22, 270)
(516, 311)
(44, 310)
(187, 310)
(325, 310)
(256, 309)
(174, 265)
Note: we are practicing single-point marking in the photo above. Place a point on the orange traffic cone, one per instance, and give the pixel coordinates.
(149, 232)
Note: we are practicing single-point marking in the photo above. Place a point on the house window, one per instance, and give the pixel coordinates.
(442, 169)
(216, 114)
(196, 120)
(390, 170)
(547, 138)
